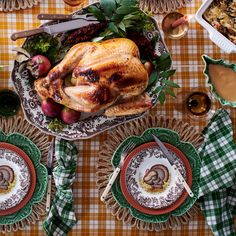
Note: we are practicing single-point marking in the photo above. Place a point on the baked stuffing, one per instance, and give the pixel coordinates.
(222, 16)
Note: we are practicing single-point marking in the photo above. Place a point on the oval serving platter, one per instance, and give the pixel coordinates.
(17, 179)
(148, 181)
(89, 126)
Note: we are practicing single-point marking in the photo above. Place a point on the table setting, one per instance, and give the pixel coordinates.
(117, 117)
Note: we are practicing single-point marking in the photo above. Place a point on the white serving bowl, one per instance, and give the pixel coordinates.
(219, 39)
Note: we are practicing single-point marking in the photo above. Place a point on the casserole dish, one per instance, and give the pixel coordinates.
(218, 38)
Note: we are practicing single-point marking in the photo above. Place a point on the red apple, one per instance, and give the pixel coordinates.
(69, 116)
(51, 108)
(43, 64)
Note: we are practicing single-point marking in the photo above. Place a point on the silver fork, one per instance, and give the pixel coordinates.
(125, 152)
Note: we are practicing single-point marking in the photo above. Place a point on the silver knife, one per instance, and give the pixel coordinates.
(172, 162)
(54, 29)
(49, 168)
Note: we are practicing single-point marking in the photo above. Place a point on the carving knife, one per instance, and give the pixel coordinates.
(172, 162)
(87, 17)
(49, 168)
(54, 29)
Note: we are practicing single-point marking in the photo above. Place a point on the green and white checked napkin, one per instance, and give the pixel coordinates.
(218, 175)
(61, 217)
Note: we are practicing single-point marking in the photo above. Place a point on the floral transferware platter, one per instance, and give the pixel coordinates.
(17, 179)
(172, 138)
(91, 124)
(148, 181)
(38, 177)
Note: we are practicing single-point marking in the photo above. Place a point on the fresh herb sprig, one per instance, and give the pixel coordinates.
(55, 125)
(45, 44)
(122, 16)
(162, 71)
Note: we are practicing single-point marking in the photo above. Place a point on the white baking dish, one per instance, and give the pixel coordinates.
(219, 39)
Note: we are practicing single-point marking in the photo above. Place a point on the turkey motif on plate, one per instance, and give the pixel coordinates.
(17, 179)
(148, 181)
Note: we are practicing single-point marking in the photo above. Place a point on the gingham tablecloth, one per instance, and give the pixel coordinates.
(94, 218)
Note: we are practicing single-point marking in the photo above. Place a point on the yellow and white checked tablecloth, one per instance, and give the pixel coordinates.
(94, 218)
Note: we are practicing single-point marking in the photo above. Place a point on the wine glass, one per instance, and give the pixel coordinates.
(197, 103)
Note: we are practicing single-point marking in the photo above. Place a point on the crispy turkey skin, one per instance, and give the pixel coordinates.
(103, 74)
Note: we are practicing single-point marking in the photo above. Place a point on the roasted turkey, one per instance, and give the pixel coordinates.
(107, 75)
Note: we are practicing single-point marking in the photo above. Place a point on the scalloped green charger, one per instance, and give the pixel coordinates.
(168, 136)
(41, 175)
(208, 60)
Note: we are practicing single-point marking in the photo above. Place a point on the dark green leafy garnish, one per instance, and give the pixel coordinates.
(56, 126)
(122, 16)
(43, 44)
(162, 71)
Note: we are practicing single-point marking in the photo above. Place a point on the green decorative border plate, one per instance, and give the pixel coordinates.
(168, 136)
(41, 172)
(208, 60)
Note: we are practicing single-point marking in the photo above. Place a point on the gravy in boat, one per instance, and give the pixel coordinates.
(224, 81)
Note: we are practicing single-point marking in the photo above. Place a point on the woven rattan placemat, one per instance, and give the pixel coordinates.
(41, 140)
(12, 5)
(186, 132)
(162, 6)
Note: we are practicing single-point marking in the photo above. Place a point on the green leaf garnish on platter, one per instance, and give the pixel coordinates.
(56, 125)
(167, 73)
(153, 77)
(161, 97)
(162, 72)
(108, 7)
(170, 83)
(97, 13)
(170, 92)
(122, 16)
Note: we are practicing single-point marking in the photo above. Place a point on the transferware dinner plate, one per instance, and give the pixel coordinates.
(91, 124)
(148, 181)
(17, 179)
(32, 152)
(187, 150)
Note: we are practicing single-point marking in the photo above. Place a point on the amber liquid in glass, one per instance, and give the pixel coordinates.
(198, 103)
